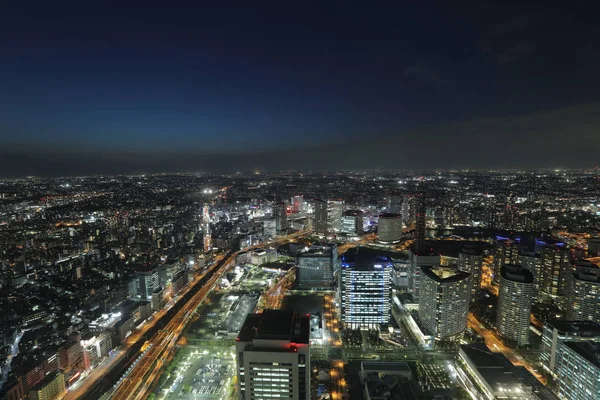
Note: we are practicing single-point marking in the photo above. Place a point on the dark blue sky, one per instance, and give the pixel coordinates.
(228, 77)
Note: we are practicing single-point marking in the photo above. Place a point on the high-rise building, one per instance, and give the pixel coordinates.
(50, 388)
(334, 215)
(578, 371)
(280, 215)
(146, 281)
(389, 229)
(269, 228)
(444, 301)
(420, 223)
(365, 288)
(414, 270)
(532, 261)
(556, 333)
(514, 303)
(315, 267)
(320, 222)
(506, 251)
(583, 296)
(394, 204)
(207, 241)
(470, 260)
(352, 222)
(273, 357)
(298, 204)
(554, 271)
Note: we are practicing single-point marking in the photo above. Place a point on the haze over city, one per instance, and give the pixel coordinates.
(230, 86)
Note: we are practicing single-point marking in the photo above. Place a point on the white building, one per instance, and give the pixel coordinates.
(273, 357)
(444, 301)
(514, 303)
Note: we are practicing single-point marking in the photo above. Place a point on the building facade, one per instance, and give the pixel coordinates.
(471, 260)
(320, 221)
(444, 301)
(365, 288)
(515, 298)
(315, 267)
(273, 356)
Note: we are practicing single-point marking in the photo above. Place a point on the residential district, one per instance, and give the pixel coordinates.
(388, 285)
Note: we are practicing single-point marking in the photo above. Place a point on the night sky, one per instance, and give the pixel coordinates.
(101, 87)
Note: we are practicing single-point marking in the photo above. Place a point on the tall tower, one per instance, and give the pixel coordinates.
(206, 227)
(514, 303)
(280, 214)
(471, 260)
(444, 301)
(320, 224)
(420, 228)
(583, 296)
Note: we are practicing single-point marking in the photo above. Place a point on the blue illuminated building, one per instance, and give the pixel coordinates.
(365, 288)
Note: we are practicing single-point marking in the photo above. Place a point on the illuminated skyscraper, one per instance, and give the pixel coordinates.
(583, 296)
(365, 288)
(206, 227)
(444, 301)
(352, 222)
(505, 252)
(320, 222)
(471, 260)
(420, 224)
(273, 356)
(280, 215)
(334, 215)
(514, 303)
(394, 204)
(554, 271)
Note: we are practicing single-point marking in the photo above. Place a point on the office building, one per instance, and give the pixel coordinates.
(146, 281)
(416, 261)
(578, 371)
(421, 216)
(556, 333)
(316, 266)
(593, 244)
(389, 229)
(352, 222)
(334, 215)
(506, 251)
(298, 204)
(514, 304)
(583, 295)
(280, 215)
(273, 358)
(269, 228)
(365, 288)
(554, 271)
(320, 221)
(444, 301)
(470, 260)
(52, 387)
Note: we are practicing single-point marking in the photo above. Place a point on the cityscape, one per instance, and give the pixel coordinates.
(317, 200)
(373, 285)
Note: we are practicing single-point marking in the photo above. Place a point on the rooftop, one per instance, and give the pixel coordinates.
(588, 350)
(516, 273)
(444, 274)
(276, 325)
(587, 328)
(363, 258)
(495, 368)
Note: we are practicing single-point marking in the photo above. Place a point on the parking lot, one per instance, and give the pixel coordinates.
(203, 374)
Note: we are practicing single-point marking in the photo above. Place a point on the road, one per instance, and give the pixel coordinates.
(140, 382)
(494, 343)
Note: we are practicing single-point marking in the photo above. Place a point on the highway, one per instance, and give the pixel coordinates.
(143, 376)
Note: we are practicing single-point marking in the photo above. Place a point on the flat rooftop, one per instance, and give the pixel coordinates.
(444, 274)
(276, 325)
(589, 351)
(495, 369)
(587, 328)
